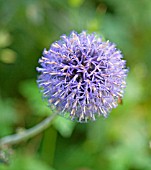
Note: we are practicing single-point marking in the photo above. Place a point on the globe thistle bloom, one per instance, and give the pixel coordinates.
(82, 76)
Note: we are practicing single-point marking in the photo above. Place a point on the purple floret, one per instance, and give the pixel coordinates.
(82, 76)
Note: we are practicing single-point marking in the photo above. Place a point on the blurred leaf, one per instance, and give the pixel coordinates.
(65, 127)
(29, 89)
(26, 162)
(7, 116)
(128, 149)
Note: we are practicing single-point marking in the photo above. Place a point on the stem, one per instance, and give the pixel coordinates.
(29, 133)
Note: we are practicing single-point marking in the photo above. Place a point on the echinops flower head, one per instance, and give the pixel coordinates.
(82, 76)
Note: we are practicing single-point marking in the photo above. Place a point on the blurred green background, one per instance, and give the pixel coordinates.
(120, 142)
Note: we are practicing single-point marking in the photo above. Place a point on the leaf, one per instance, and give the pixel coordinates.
(26, 162)
(30, 91)
(7, 116)
(65, 127)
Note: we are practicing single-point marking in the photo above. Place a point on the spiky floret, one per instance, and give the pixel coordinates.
(82, 75)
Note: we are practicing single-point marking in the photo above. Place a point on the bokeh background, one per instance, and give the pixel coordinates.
(120, 142)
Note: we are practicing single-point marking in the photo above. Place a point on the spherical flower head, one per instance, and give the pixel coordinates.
(82, 76)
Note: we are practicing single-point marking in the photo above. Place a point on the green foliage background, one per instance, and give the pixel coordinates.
(120, 142)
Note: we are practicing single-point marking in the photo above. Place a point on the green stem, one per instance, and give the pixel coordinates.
(29, 133)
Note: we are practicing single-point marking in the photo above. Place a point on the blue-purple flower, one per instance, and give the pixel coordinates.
(82, 76)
